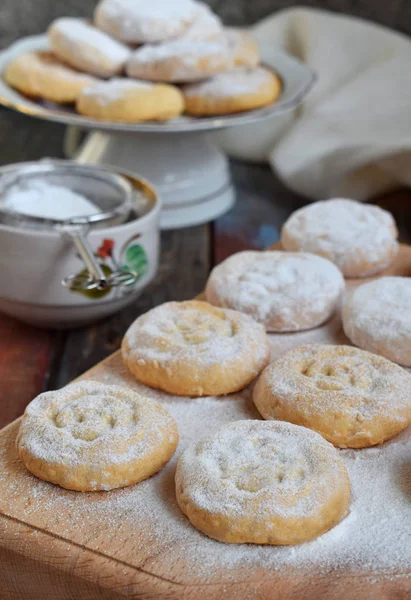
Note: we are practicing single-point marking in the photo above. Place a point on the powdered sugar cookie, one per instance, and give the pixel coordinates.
(262, 483)
(245, 50)
(144, 21)
(359, 238)
(42, 75)
(205, 26)
(89, 436)
(130, 101)
(377, 317)
(180, 60)
(353, 398)
(194, 349)
(86, 48)
(284, 291)
(235, 91)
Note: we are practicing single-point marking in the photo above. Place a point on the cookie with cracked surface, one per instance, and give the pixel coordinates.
(360, 239)
(376, 317)
(180, 61)
(285, 291)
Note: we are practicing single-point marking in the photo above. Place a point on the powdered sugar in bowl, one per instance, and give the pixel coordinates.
(77, 243)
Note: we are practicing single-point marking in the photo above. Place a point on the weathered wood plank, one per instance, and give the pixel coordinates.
(263, 204)
(24, 358)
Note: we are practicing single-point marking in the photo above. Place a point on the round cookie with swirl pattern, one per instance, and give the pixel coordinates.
(353, 398)
(262, 483)
(195, 349)
(89, 436)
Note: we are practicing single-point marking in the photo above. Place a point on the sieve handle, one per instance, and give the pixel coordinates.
(96, 273)
(94, 278)
(86, 253)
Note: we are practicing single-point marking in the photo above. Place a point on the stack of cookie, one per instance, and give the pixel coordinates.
(142, 61)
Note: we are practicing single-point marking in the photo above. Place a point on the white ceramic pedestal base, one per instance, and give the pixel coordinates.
(190, 173)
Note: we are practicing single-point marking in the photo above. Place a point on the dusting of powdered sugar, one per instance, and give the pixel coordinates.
(341, 391)
(377, 317)
(86, 47)
(206, 24)
(39, 198)
(180, 60)
(374, 539)
(92, 424)
(140, 21)
(195, 333)
(261, 471)
(347, 232)
(238, 81)
(284, 291)
(105, 92)
(39, 61)
(243, 47)
(180, 48)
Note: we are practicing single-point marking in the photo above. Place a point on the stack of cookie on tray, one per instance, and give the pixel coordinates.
(145, 60)
(280, 480)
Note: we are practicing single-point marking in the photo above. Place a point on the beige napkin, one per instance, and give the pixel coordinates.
(352, 136)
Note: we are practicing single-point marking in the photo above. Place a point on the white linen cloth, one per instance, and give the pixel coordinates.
(352, 136)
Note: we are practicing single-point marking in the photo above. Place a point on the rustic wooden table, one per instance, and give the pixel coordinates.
(34, 360)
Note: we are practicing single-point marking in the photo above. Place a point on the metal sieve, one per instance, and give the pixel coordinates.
(109, 192)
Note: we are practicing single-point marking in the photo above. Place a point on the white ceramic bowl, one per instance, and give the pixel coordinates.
(33, 264)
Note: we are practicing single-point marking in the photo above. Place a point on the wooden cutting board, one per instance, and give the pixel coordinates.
(135, 543)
